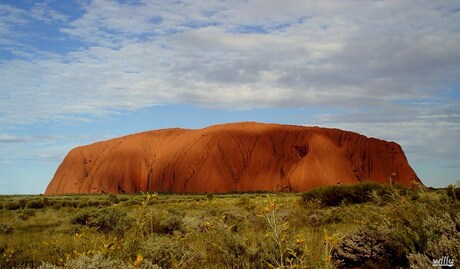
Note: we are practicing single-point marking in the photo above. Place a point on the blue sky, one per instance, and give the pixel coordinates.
(76, 72)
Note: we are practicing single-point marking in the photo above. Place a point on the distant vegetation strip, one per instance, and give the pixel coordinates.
(366, 225)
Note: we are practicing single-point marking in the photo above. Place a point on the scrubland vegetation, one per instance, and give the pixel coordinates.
(366, 225)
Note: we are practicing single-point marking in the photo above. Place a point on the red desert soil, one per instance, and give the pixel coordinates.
(231, 157)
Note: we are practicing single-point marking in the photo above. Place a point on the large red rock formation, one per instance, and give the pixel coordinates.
(231, 157)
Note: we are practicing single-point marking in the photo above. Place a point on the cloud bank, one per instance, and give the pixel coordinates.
(386, 68)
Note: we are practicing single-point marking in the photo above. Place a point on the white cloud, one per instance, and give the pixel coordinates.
(42, 12)
(41, 148)
(366, 58)
(9, 17)
(426, 131)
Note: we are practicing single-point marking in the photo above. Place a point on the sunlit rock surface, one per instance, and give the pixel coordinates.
(231, 157)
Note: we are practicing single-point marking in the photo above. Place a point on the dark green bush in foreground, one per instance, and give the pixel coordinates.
(411, 234)
(369, 248)
(414, 246)
(444, 241)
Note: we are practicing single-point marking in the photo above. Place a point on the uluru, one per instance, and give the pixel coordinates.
(235, 157)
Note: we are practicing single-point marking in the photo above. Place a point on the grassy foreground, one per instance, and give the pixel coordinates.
(366, 225)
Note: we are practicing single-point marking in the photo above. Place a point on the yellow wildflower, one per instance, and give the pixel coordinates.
(139, 260)
(299, 240)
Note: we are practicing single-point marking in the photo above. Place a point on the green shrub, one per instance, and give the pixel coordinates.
(232, 250)
(425, 228)
(68, 203)
(83, 204)
(97, 261)
(166, 252)
(83, 218)
(162, 223)
(94, 203)
(369, 248)
(453, 192)
(326, 216)
(246, 203)
(419, 261)
(22, 202)
(26, 214)
(56, 204)
(132, 202)
(279, 247)
(344, 194)
(113, 198)
(35, 204)
(444, 240)
(407, 221)
(5, 229)
(123, 199)
(13, 205)
(170, 224)
(107, 220)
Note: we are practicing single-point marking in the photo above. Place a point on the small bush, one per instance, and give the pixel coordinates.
(324, 217)
(170, 224)
(132, 202)
(232, 250)
(421, 231)
(419, 261)
(162, 223)
(56, 204)
(344, 194)
(246, 203)
(84, 218)
(13, 205)
(368, 248)
(166, 252)
(444, 240)
(66, 203)
(95, 261)
(26, 214)
(113, 198)
(83, 204)
(95, 203)
(106, 220)
(35, 204)
(98, 261)
(453, 192)
(5, 228)
(22, 202)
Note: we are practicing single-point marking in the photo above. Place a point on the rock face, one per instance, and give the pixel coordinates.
(231, 157)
